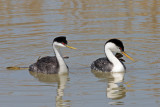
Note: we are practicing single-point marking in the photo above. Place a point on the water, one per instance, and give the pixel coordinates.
(27, 28)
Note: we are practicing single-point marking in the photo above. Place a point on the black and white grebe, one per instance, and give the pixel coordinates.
(110, 63)
(52, 64)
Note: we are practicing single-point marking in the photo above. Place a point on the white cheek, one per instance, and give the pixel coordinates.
(113, 47)
(59, 44)
(117, 49)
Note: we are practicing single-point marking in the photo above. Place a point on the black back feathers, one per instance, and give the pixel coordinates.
(117, 42)
(60, 39)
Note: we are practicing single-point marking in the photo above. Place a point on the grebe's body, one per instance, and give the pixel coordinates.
(111, 63)
(47, 65)
(104, 65)
(52, 64)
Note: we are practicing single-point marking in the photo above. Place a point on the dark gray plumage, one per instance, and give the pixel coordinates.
(47, 65)
(103, 64)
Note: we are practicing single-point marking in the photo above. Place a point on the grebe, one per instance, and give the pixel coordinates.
(52, 64)
(110, 63)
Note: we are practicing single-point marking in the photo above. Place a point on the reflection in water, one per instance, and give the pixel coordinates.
(115, 89)
(55, 78)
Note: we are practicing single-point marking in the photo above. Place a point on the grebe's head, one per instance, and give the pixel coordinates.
(116, 45)
(61, 42)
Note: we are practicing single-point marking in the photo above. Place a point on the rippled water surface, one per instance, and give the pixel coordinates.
(27, 28)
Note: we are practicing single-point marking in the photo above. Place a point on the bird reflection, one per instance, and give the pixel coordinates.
(115, 89)
(61, 80)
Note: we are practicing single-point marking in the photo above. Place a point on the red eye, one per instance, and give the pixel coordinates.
(63, 43)
(120, 48)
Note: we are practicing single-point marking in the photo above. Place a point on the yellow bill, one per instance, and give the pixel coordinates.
(70, 47)
(128, 56)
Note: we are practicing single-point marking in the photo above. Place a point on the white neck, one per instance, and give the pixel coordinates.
(117, 65)
(63, 67)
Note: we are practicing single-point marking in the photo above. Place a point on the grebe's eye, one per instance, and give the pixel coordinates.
(120, 49)
(63, 43)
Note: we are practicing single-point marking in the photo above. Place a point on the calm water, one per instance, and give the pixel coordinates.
(27, 28)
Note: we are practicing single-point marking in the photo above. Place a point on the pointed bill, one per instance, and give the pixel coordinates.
(128, 56)
(70, 47)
